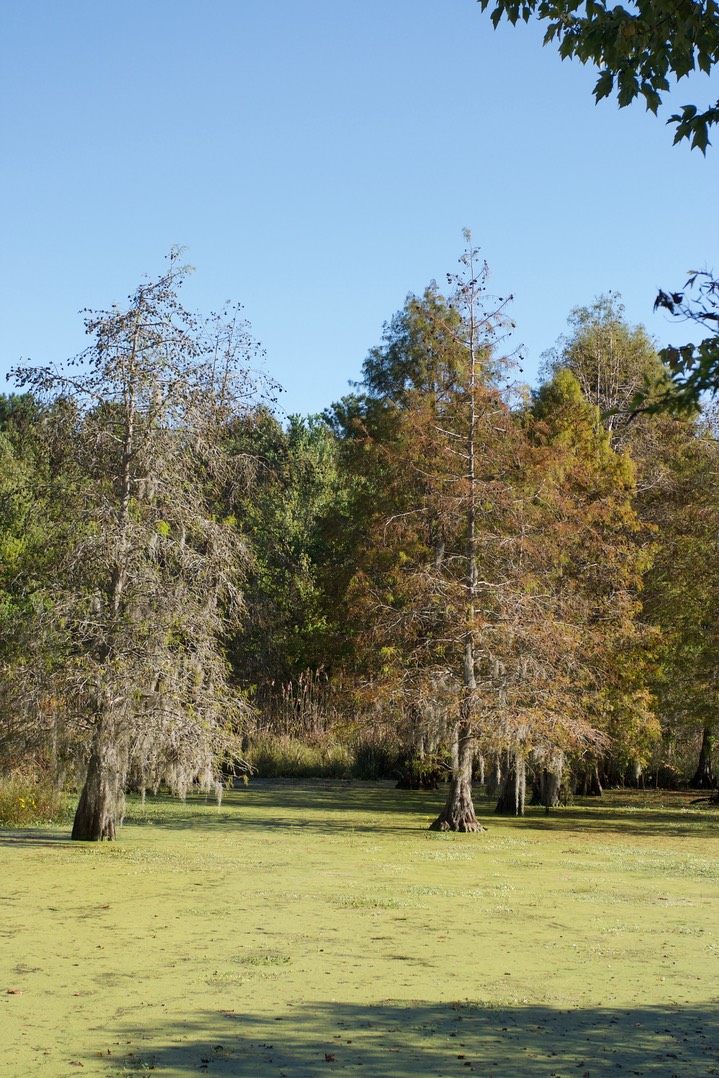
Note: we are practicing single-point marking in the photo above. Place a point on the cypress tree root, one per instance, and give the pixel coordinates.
(102, 799)
(458, 814)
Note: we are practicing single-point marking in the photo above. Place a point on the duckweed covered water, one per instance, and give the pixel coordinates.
(308, 928)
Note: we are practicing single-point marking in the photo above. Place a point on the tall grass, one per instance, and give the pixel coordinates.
(282, 756)
(329, 757)
(301, 729)
(304, 708)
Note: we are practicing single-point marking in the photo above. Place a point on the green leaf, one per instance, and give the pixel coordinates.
(604, 86)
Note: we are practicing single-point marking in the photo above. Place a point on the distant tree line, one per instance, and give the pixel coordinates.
(456, 576)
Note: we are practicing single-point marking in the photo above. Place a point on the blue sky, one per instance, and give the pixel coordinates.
(319, 159)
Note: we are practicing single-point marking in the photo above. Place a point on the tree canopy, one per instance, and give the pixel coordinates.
(443, 573)
(638, 46)
(139, 579)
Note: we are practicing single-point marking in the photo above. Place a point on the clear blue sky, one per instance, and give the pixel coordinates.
(319, 159)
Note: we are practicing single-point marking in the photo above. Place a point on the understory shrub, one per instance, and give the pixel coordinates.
(376, 759)
(425, 772)
(27, 799)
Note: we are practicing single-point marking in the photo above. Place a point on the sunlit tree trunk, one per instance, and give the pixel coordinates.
(458, 812)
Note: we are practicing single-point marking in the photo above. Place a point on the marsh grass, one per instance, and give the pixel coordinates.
(322, 754)
(282, 756)
(301, 921)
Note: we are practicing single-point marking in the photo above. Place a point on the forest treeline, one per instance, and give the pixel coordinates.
(443, 576)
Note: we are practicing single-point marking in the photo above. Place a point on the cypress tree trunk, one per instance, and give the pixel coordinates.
(102, 800)
(703, 778)
(479, 768)
(546, 789)
(613, 775)
(589, 784)
(513, 792)
(458, 812)
(547, 785)
(494, 778)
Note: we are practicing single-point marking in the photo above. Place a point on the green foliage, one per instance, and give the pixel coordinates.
(612, 361)
(407, 597)
(327, 559)
(638, 46)
(559, 551)
(599, 554)
(425, 772)
(296, 484)
(418, 352)
(682, 585)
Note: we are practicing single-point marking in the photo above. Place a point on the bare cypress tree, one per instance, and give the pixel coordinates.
(145, 579)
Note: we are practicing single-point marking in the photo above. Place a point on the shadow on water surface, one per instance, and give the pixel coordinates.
(376, 807)
(274, 803)
(616, 820)
(417, 1039)
(35, 837)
